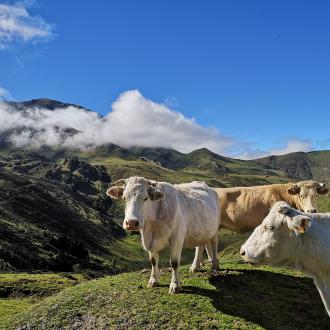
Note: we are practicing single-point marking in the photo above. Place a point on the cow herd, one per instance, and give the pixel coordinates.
(287, 231)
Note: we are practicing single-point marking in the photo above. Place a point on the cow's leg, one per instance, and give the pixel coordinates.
(324, 290)
(214, 247)
(154, 276)
(175, 257)
(212, 250)
(199, 250)
(209, 251)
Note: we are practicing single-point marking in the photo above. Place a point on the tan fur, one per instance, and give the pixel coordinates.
(244, 208)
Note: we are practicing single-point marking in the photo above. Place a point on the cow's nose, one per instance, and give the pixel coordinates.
(132, 224)
(312, 210)
(242, 252)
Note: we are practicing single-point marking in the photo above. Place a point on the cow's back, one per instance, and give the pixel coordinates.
(197, 209)
(198, 191)
(244, 208)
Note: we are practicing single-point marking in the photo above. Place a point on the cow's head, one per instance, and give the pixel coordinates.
(306, 193)
(272, 242)
(137, 193)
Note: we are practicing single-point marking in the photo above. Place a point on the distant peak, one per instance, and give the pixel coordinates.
(44, 103)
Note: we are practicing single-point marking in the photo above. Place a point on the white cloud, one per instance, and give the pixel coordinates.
(133, 121)
(16, 24)
(293, 145)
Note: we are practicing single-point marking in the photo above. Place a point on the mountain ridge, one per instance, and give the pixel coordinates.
(45, 192)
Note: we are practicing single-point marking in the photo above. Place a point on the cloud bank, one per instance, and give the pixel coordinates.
(16, 24)
(292, 145)
(133, 121)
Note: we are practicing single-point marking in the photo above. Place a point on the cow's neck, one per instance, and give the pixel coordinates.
(311, 252)
(155, 236)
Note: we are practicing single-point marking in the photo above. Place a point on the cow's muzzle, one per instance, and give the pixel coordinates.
(131, 224)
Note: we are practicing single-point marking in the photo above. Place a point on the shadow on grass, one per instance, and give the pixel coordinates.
(273, 301)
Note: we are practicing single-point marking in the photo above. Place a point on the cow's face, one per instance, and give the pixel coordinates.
(306, 193)
(272, 241)
(138, 193)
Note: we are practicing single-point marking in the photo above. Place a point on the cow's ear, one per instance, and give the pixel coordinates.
(299, 224)
(293, 189)
(322, 189)
(155, 194)
(115, 192)
(284, 208)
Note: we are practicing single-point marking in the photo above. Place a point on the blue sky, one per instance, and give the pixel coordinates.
(258, 71)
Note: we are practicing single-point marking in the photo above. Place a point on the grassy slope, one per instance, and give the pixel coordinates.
(237, 293)
(123, 168)
(21, 290)
(302, 166)
(237, 297)
(321, 165)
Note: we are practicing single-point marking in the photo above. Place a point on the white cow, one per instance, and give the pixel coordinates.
(182, 215)
(290, 238)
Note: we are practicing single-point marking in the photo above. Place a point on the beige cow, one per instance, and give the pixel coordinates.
(244, 208)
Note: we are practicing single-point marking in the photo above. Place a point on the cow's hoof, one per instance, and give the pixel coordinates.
(152, 283)
(174, 288)
(193, 269)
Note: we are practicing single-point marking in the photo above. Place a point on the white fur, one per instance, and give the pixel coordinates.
(187, 216)
(290, 238)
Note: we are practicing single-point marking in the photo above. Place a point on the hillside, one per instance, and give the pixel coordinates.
(237, 297)
(55, 215)
(299, 165)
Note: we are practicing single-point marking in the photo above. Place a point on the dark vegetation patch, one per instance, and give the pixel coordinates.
(54, 218)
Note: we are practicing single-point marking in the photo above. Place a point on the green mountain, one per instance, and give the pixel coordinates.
(55, 219)
(299, 165)
(54, 214)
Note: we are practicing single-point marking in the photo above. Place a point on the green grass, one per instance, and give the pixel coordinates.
(21, 290)
(237, 297)
(12, 306)
(246, 175)
(324, 203)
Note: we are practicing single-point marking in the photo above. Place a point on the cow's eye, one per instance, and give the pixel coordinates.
(269, 227)
(145, 198)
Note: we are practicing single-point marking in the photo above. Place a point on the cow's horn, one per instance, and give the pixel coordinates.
(153, 183)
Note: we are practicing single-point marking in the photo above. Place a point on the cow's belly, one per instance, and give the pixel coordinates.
(199, 235)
